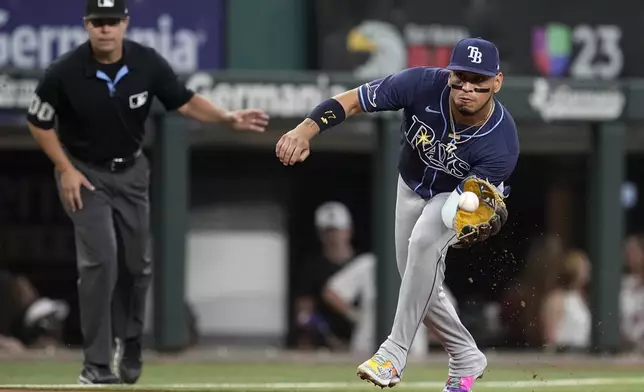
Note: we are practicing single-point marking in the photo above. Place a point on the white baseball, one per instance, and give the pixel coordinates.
(468, 201)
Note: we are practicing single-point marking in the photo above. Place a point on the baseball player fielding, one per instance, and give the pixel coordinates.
(457, 137)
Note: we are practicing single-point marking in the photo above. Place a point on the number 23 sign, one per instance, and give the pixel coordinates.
(582, 51)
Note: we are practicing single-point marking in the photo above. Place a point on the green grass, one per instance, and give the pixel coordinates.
(210, 377)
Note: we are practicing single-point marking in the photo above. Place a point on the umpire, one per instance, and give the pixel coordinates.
(100, 94)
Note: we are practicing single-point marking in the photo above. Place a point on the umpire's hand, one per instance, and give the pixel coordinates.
(249, 120)
(71, 181)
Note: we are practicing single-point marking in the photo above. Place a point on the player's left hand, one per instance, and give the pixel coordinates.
(249, 120)
(487, 219)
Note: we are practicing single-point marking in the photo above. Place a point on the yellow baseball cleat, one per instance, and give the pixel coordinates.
(379, 371)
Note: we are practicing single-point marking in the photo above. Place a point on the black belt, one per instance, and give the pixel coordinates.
(116, 164)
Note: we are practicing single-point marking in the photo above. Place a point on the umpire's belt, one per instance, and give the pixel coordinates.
(118, 164)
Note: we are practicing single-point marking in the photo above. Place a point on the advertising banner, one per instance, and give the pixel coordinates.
(188, 33)
(577, 39)
(581, 39)
(558, 100)
(293, 95)
(384, 38)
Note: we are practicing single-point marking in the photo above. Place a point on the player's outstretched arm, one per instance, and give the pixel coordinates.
(293, 146)
(390, 93)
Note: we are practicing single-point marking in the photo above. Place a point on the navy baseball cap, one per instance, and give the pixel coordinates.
(475, 55)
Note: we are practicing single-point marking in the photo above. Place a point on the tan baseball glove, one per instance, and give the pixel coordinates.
(487, 219)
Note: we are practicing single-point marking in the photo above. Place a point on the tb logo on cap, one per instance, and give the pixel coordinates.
(106, 3)
(475, 54)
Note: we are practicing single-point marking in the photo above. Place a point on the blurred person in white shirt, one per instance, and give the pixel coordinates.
(318, 324)
(565, 315)
(632, 294)
(356, 282)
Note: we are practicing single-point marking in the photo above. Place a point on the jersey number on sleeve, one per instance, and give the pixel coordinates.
(42, 110)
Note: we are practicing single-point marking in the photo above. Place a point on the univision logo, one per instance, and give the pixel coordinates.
(552, 47)
(581, 51)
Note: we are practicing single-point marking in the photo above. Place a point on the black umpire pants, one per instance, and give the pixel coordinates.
(113, 250)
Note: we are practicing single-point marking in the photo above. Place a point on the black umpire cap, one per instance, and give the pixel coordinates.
(106, 9)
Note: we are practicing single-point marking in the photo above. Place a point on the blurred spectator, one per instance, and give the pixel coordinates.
(565, 315)
(318, 324)
(28, 320)
(11, 345)
(632, 294)
(356, 283)
(521, 302)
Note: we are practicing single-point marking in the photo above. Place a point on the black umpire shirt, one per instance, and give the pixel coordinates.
(102, 108)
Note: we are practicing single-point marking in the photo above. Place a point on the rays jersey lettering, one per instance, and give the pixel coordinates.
(434, 153)
(431, 162)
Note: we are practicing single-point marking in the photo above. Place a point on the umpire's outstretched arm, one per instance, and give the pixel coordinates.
(201, 109)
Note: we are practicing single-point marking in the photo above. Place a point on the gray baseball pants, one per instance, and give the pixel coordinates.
(112, 236)
(422, 241)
